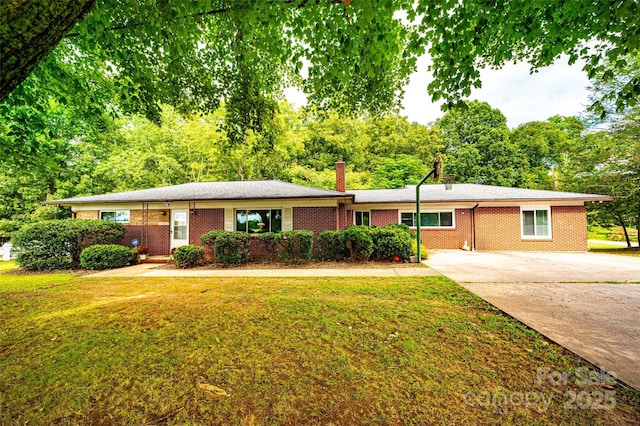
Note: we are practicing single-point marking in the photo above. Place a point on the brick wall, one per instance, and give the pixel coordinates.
(157, 242)
(383, 217)
(498, 228)
(203, 221)
(316, 219)
(343, 219)
(449, 238)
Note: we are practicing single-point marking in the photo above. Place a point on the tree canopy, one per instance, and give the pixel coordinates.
(344, 53)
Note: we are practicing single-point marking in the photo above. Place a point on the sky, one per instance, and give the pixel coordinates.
(559, 89)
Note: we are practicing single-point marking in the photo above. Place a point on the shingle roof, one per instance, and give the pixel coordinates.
(241, 190)
(467, 192)
(275, 189)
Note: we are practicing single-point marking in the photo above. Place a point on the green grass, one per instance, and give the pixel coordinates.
(77, 350)
(6, 266)
(615, 233)
(621, 251)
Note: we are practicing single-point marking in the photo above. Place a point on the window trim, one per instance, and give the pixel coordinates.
(535, 236)
(422, 226)
(116, 211)
(235, 219)
(362, 211)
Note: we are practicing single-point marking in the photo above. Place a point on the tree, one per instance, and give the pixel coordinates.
(393, 135)
(398, 172)
(612, 93)
(194, 54)
(609, 162)
(477, 146)
(541, 145)
(332, 135)
(29, 31)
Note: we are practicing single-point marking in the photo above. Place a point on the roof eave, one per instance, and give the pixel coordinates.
(179, 200)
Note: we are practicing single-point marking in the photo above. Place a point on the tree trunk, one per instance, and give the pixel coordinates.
(29, 31)
(624, 229)
(638, 226)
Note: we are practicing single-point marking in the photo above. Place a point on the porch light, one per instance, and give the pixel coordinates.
(435, 174)
(167, 204)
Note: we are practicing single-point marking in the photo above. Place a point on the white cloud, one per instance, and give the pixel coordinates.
(559, 89)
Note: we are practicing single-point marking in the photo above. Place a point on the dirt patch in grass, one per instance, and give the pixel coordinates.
(284, 351)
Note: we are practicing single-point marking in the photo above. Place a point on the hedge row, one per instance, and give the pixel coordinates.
(363, 243)
(232, 247)
(57, 244)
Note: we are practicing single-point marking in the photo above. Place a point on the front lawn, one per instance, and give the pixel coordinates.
(77, 350)
(621, 251)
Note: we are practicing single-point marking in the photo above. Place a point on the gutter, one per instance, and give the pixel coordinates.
(473, 227)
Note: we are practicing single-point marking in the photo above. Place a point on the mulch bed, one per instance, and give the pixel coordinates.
(272, 264)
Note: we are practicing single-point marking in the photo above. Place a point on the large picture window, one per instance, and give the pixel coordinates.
(428, 219)
(257, 221)
(121, 216)
(536, 223)
(362, 218)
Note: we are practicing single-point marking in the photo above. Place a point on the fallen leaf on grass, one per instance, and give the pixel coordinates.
(210, 391)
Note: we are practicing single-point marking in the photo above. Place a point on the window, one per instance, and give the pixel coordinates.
(256, 221)
(362, 218)
(121, 216)
(536, 223)
(428, 219)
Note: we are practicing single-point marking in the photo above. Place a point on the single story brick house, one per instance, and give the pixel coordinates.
(469, 216)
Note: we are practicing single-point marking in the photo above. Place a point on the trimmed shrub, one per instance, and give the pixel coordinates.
(391, 241)
(188, 256)
(403, 228)
(268, 242)
(57, 244)
(331, 245)
(105, 256)
(424, 254)
(232, 247)
(295, 246)
(209, 239)
(358, 241)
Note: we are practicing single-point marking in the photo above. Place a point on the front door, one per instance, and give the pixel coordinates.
(179, 228)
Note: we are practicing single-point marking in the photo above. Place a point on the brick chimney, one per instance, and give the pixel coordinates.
(341, 180)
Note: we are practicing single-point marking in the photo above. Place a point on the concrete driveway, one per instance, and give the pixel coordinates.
(568, 297)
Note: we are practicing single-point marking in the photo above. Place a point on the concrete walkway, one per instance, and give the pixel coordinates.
(154, 270)
(565, 296)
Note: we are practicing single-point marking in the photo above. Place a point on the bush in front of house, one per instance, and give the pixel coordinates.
(424, 254)
(188, 256)
(57, 244)
(295, 246)
(331, 245)
(232, 247)
(357, 240)
(390, 241)
(209, 239)
(105, 256)
(269, 243)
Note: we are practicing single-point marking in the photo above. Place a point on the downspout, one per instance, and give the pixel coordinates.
(473, 227)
